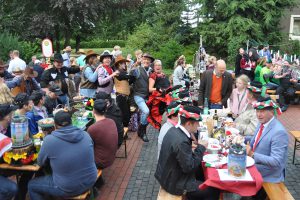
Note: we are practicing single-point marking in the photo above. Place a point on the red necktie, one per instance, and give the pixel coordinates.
(258, 136)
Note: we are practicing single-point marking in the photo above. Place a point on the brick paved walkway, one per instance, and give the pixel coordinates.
(133, 178)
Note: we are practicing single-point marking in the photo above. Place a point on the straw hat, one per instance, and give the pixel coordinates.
(89, 54)
(120, 59)
(30, 72)
(81, 51)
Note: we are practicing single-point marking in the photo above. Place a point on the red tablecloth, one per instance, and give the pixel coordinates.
(243, 188)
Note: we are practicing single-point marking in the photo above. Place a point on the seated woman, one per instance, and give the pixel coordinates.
(159, 99)
(247, 121)
(89, 76)
(122, 82)
(238, 98)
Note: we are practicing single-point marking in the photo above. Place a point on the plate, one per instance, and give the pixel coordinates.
(250, 162)
(215, 159)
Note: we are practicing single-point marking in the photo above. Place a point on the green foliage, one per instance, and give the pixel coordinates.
(95, 43)
(144, 38)
(228, 24)
(169, 52)
(9, 42)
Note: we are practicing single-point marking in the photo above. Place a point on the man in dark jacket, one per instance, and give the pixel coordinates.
(69, 150)
(177, 163)
(59, 75)
(113, 112)
(215, 86)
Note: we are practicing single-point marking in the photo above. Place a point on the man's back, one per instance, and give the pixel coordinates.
(105, 137)
(71, 156)
(16, 62)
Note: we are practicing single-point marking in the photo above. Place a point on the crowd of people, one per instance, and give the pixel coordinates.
(123, 89)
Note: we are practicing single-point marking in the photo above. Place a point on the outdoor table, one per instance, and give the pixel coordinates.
(33, 167)
(242, 188)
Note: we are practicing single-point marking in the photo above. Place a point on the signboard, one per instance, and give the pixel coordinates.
(47, 48)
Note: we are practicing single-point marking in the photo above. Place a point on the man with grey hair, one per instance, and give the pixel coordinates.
(16, 62)
(215, 86)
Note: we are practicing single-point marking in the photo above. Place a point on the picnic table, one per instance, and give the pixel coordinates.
(243, 188)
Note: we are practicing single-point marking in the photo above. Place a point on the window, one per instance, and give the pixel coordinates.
(295, 27)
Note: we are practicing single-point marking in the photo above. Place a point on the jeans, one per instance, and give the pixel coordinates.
(143, 108)
(123, 104)
(8, 189)
(42, 186)
(271, 86)
(215, 106)
(64, 99)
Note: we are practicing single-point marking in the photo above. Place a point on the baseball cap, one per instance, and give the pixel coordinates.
(63, 118)
(6, 109)
(55, 89)
(100, 105)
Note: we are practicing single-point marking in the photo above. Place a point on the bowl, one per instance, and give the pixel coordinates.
(213, 148)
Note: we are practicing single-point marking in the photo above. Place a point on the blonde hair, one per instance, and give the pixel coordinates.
(6, 96)
(244, 78)
(157, 62)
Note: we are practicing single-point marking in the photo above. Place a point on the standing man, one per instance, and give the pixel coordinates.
(178, 164)
(216, 86)
(269, 145)
(66, 56)
(81, 63)
(16, 62)
(58, 74)
(141, 91)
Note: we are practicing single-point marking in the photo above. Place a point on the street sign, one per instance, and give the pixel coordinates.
(47, 48)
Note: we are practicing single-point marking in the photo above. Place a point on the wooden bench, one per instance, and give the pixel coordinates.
(277, 191)
(274, 92)
(85, 195)
(296, 136)
(125, 136)
(164, 195)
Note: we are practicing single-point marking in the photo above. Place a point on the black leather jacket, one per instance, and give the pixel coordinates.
(177, 163)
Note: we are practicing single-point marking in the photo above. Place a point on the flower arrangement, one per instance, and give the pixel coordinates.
(89, 104)
(19, 159)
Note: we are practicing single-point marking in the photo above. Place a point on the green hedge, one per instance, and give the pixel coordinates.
(95, 43)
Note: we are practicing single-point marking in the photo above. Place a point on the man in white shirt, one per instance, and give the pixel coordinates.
(16, 62)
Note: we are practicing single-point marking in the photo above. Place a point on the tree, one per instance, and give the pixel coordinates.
(228, 24)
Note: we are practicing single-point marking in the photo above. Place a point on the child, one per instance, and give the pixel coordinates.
(238, 98)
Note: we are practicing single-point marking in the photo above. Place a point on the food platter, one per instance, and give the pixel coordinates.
(46, 123)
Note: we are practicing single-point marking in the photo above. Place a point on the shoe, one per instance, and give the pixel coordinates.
(144, 133)
(284, 108)
(139, 131)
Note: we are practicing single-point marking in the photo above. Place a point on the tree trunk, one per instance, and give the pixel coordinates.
(57, 41)
(67, 39)
(78, 39)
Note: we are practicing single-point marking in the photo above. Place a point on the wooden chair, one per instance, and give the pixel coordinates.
(296, 136)
(125, 136)
(271, 92)
(277, 191)
(88, 193)
(164, 195)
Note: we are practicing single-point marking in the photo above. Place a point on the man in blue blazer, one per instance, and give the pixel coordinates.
(269, 145)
